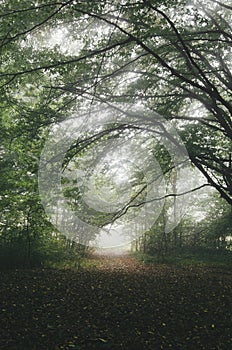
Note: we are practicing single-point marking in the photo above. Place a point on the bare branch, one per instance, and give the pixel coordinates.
(222, 5)
(129, 205)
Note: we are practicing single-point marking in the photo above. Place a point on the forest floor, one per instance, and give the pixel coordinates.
(120, 303)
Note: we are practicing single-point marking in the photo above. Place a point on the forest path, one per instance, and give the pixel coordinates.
(120, 304)
(118, 262)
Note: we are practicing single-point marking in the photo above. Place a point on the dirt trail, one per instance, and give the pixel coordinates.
(124, 263)
(120, 304)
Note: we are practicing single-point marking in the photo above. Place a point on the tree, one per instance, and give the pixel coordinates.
(169, 56)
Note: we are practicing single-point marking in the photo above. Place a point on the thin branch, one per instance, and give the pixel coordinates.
(210, 180)
(124, 210)
(74, 60)
(222, 5)
(32, 8)
(203, 121)
(36, 25)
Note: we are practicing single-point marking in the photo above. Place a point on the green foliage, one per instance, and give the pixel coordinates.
(190, 256)
(210, 237)
(171, 58)
(22, 250)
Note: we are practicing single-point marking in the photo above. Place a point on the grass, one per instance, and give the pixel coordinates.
(191, 257)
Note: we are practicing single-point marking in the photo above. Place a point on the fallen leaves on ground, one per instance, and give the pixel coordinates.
(121, 304)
